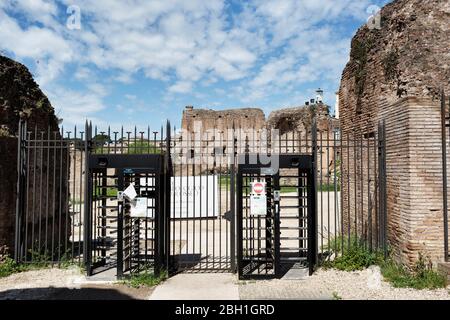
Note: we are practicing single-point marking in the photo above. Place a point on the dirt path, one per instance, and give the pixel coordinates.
(70, 284)
(62, 284)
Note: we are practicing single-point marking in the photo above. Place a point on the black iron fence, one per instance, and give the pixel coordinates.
(63, 205)
(445, 121)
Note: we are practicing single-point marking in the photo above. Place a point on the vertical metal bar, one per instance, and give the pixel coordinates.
(385, 218)
(60, 198)
(328, 190)
(33, 206)
(82, 198)
(233, 216)
(444, 176)
(348, 194)
(66, 186)
(320, 188)
(41, 165)
(312, 206)
(46, 190)
(55, 151)
(276, 224)
(369, 198)
(120, 227)
(19, 200)
(239, 216)
(355, 185)
(380, 188)
(87, 237)
(167, 194)
(361, 178)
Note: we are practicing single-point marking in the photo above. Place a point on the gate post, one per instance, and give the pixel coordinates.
(167, 197)
(233, 217)
(312, 201)
(87, 236)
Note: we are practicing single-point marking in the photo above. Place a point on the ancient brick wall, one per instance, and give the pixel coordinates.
(395, 73)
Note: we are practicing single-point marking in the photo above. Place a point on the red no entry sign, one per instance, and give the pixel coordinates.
(258, 187)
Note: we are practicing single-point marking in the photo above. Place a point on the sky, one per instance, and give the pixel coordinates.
(140, 62)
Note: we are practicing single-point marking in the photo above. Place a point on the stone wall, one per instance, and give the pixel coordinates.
(395, 74)
(246, 118)
(21, 98)
(8, 176)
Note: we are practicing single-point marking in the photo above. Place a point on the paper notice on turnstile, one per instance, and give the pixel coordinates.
(139, 208)
(130, 192)
(258, 205)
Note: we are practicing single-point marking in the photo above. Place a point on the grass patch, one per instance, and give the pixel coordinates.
(146, 279)
(356, 256)
(422, 276)
(9, 266)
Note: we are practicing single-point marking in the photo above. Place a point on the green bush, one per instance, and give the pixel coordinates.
(355, 256)
(7, 267)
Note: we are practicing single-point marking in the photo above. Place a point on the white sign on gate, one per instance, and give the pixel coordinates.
(195, 197)
(191, 197)
(139, 208)
(258, 205)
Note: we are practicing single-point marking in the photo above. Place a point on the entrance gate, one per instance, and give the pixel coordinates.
(193, 210)
(277, 232)
(126, 233)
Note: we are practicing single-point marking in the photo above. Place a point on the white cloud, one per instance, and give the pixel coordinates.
(181, 87)
(266, 47)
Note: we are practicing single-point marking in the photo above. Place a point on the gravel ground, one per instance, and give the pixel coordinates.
(64, 284)
(330, 284)
(70, 284)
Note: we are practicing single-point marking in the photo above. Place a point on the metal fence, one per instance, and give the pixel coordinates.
(198, 228)
(445, 122)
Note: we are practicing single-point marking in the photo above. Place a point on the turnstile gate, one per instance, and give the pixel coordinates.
(122, 232)
(275, 216)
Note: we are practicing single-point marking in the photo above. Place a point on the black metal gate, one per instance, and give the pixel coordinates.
(116, 236)
(328, 188)
(279, 233)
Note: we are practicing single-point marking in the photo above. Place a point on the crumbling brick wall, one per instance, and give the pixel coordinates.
(395, 73)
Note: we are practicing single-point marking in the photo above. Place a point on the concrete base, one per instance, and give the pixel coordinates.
(211, 286)
(296, 274)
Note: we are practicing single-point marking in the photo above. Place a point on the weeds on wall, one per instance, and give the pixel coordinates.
(9, 266)
(351, 254)
(357, 256)
(422, 275)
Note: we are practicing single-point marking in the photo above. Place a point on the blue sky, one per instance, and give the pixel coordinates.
(142, 61)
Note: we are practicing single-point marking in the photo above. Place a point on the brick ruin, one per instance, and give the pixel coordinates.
(20, 97)
(293, 124)
(395, 74)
